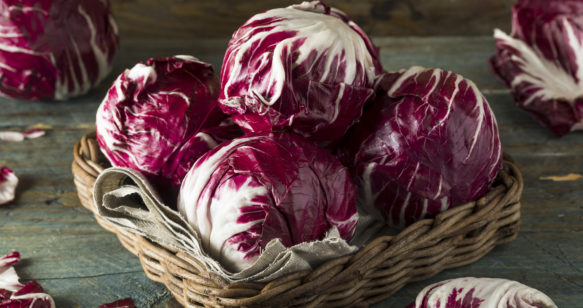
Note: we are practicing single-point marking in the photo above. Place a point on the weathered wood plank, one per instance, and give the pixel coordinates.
(208, 19)
(93, 291)
(83, 265)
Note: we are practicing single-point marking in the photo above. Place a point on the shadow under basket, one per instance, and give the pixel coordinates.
(457, 237)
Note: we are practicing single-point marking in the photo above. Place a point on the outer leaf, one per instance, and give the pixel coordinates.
(8, 183)
(542, 61)
(13, 294)
(13, 136)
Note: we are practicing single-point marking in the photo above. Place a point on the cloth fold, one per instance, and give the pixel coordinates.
(126, 199)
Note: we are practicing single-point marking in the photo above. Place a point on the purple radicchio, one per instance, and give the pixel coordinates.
(8, 183)
(264, 186)
(428, 142)
(54, 49)
(542, 61)
(13, 294)
(305, 68)
(469, 292)
(160, 116)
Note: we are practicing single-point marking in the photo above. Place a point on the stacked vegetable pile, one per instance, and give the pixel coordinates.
(306, 86)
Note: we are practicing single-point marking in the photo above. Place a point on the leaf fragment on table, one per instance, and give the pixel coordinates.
(42, 126)
(8, 183)
(122, 303)
(13, 294)
(13, 136)
(562, 178)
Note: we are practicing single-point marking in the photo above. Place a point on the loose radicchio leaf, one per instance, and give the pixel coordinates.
(122, 303)
(54, 49)
(469, 292)
(8, 183)
(16, 295)
(20, 136)
(260, 187)
(306, 68)
(542, 61)
(161, 116)
(428, 142)
(8, 278)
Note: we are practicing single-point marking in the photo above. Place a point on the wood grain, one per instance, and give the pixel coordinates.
(82, 265)
(219, 19)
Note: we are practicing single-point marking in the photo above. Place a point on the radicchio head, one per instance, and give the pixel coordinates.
(54, 49)
(469, 292)
(306, 68)
(542, 61)
(162, 115)
(428, 142)
(260, 187)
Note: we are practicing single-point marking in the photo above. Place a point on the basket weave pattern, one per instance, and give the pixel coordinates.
(457, 237)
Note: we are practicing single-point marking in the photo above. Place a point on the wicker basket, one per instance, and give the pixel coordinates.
(454, 238)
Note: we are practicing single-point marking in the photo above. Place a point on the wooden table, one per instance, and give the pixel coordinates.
(82, 265)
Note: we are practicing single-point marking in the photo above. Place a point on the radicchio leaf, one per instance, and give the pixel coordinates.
(12, 136)
(306, 68)
(160, 116)
(13, 294)
(428, 142)
(542, 61)
(469, 292)
(259, 187)
(54, 49)
(122, 303)
(8, 183)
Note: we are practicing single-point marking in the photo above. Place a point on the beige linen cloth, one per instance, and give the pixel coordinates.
(125, 198)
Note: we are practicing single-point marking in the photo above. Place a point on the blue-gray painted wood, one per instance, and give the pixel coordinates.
(82, 265)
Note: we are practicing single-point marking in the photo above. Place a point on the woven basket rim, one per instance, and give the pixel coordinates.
(192, 284)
